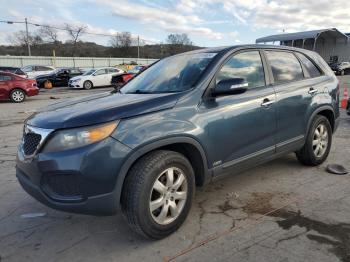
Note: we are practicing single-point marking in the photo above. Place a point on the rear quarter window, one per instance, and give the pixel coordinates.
(285, 66)
(311, 68)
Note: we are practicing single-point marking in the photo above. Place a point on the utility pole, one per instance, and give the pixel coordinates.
(28, 44)
(138, 48)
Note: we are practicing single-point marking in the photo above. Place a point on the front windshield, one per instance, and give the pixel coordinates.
(89, 72)
(172, 74)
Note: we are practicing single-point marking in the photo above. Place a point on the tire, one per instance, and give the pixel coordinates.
(88, 85)
(139, 190)
(17, 95)
(309, 155)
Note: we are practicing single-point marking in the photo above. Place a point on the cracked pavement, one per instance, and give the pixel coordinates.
(280, 211)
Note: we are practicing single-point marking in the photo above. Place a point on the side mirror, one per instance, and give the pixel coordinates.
(230, 86)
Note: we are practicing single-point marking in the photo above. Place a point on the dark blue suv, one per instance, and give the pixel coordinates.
(185, 121)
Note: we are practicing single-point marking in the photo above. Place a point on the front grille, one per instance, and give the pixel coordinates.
(31, 143)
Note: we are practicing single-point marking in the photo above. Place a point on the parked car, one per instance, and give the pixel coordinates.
(119, 80)
(95, 77)
(33, 71)
(59, 77)
(341, 68)
(14, 70)
(187, 120)
(16, 88)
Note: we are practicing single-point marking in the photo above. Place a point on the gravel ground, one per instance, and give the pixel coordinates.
(280, 211)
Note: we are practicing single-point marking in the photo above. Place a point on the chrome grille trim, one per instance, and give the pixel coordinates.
(44, 133)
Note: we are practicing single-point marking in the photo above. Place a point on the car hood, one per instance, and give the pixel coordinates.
(99, 108)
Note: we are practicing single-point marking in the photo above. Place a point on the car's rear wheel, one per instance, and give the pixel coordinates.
(17, 95)
(157, 193)
(318, 143)
(88, 85)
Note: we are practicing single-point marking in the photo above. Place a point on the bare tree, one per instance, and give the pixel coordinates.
(179, 39)
(48, 33)
(121, 40)
(74, 33)
(20, 38)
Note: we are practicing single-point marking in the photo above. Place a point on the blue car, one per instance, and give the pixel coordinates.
(187, 120)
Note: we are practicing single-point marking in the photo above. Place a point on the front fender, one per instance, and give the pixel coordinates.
(144, 149)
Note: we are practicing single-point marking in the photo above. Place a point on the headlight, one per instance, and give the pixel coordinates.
(77, 137)
(76, 80)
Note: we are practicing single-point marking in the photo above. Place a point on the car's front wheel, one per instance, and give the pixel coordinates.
(87, 85)
(318, 143)
(17, 96)
(157, 193)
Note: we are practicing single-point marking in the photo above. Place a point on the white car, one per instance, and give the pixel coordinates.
(94, 77)
(33, 71)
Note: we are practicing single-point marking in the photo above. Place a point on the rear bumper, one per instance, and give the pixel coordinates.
(80, 180)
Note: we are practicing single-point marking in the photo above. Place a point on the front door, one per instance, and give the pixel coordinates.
(241, 127)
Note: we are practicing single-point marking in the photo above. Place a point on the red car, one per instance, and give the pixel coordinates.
(119, 80)
(16, 88)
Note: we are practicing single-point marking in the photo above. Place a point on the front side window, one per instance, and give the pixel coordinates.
(285, 66)
(170, 75)
(112, 70)
(309, 65)
(246, 65)
(100, 72)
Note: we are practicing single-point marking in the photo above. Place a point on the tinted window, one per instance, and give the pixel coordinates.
(285, 66)
(245, 65)
(101, 72)
(309, 65)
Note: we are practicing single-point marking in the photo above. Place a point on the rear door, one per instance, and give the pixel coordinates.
(294, 93)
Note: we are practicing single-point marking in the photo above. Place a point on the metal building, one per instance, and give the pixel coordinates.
(331, 44)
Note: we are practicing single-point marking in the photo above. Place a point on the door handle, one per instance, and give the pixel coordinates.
(266, 102)
(312, 91)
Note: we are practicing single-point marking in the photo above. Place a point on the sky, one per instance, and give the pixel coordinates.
(207, 22)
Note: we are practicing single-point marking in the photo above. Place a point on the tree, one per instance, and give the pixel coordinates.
(178, 39)
(20, 38)
(48, 33)
(74, 33)
(122, 39)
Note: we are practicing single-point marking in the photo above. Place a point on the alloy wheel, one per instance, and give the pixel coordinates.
(320, 140)
(168, 196)
(18, 96)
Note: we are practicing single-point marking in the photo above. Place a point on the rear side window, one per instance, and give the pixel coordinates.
(112, 70)
(309, 65)
(43, 68)
(285, 66)
(246, 65)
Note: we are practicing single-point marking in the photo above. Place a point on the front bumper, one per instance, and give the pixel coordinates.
(32, 91)
(79, 180)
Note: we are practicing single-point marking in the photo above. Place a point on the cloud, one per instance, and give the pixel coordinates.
(171, 20)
